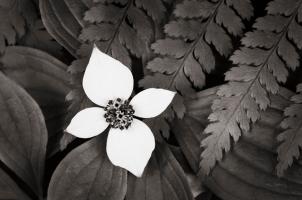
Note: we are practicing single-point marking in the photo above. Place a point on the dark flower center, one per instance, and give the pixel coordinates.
(119, 113)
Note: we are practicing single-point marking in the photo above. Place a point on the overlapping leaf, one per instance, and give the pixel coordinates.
(23, 134)
(19, 23)
(291, 137)
(63, 20)
(37, 37)
(263, 62)
(9, 189)
(248, 171)
(186, 54)
(12, 24)
(122, 27)
(87, 173)
(48, 87)
(163, 179)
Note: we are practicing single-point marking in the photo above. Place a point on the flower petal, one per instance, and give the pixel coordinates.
(106, 79)
(88, 123)
(131, 148)
(151, 102)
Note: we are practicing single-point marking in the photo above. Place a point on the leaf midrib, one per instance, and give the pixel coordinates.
(284, 31)
(201, 35)
(130, 2)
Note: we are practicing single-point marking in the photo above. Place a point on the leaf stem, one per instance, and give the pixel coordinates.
(284, 31)
(201, 35)
(130, 2)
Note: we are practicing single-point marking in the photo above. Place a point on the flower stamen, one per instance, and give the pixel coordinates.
(119, 113)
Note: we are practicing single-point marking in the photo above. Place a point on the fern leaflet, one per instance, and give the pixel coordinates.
(121, 29)
(186, 54)
(20, 24)
(262, 63)
(291, 137)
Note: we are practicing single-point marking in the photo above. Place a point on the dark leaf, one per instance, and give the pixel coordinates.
(170, 47)
(259, 39)
(48, 87)
(38, 37)
(288, 53)
(97, 32)
(87, 173)
(217, 36)
(163, 65)
(282, 7)
(141, 23)
(155, 8)
(271, 23)
(194, 72)
(23, 134)
(228, 18)
(207, 62)
(103, 13)
(163, 179)
(243, 7)
(249, 56)
(183, 28)
(65, 29)
(249, 167)
(9, 189)
(122, 30)
(185, 54)
(247, 92)
(192, 9)
(15, 16)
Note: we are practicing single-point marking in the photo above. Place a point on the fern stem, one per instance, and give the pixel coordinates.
(284, 31)
(130, 2)
(201, 35)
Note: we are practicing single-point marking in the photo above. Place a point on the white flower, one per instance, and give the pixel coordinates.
(109, 84)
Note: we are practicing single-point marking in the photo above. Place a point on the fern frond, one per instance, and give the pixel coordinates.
(291, 137)
(12, 23)
(20, 24)
(268, 52)
(122, 27)
(186, 53)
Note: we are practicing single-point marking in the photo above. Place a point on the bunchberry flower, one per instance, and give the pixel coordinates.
(109, 84)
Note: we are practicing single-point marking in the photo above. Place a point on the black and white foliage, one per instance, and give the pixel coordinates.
(179, 45)
(186, 54)
(291, 137)
(20, 24)
(121, 28)
(268, 52)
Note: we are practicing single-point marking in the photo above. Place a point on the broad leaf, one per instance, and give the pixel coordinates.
(49, 86)
(9, 189)
(65, 29)
(87, 173)
(23, 134)
(163, 179)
